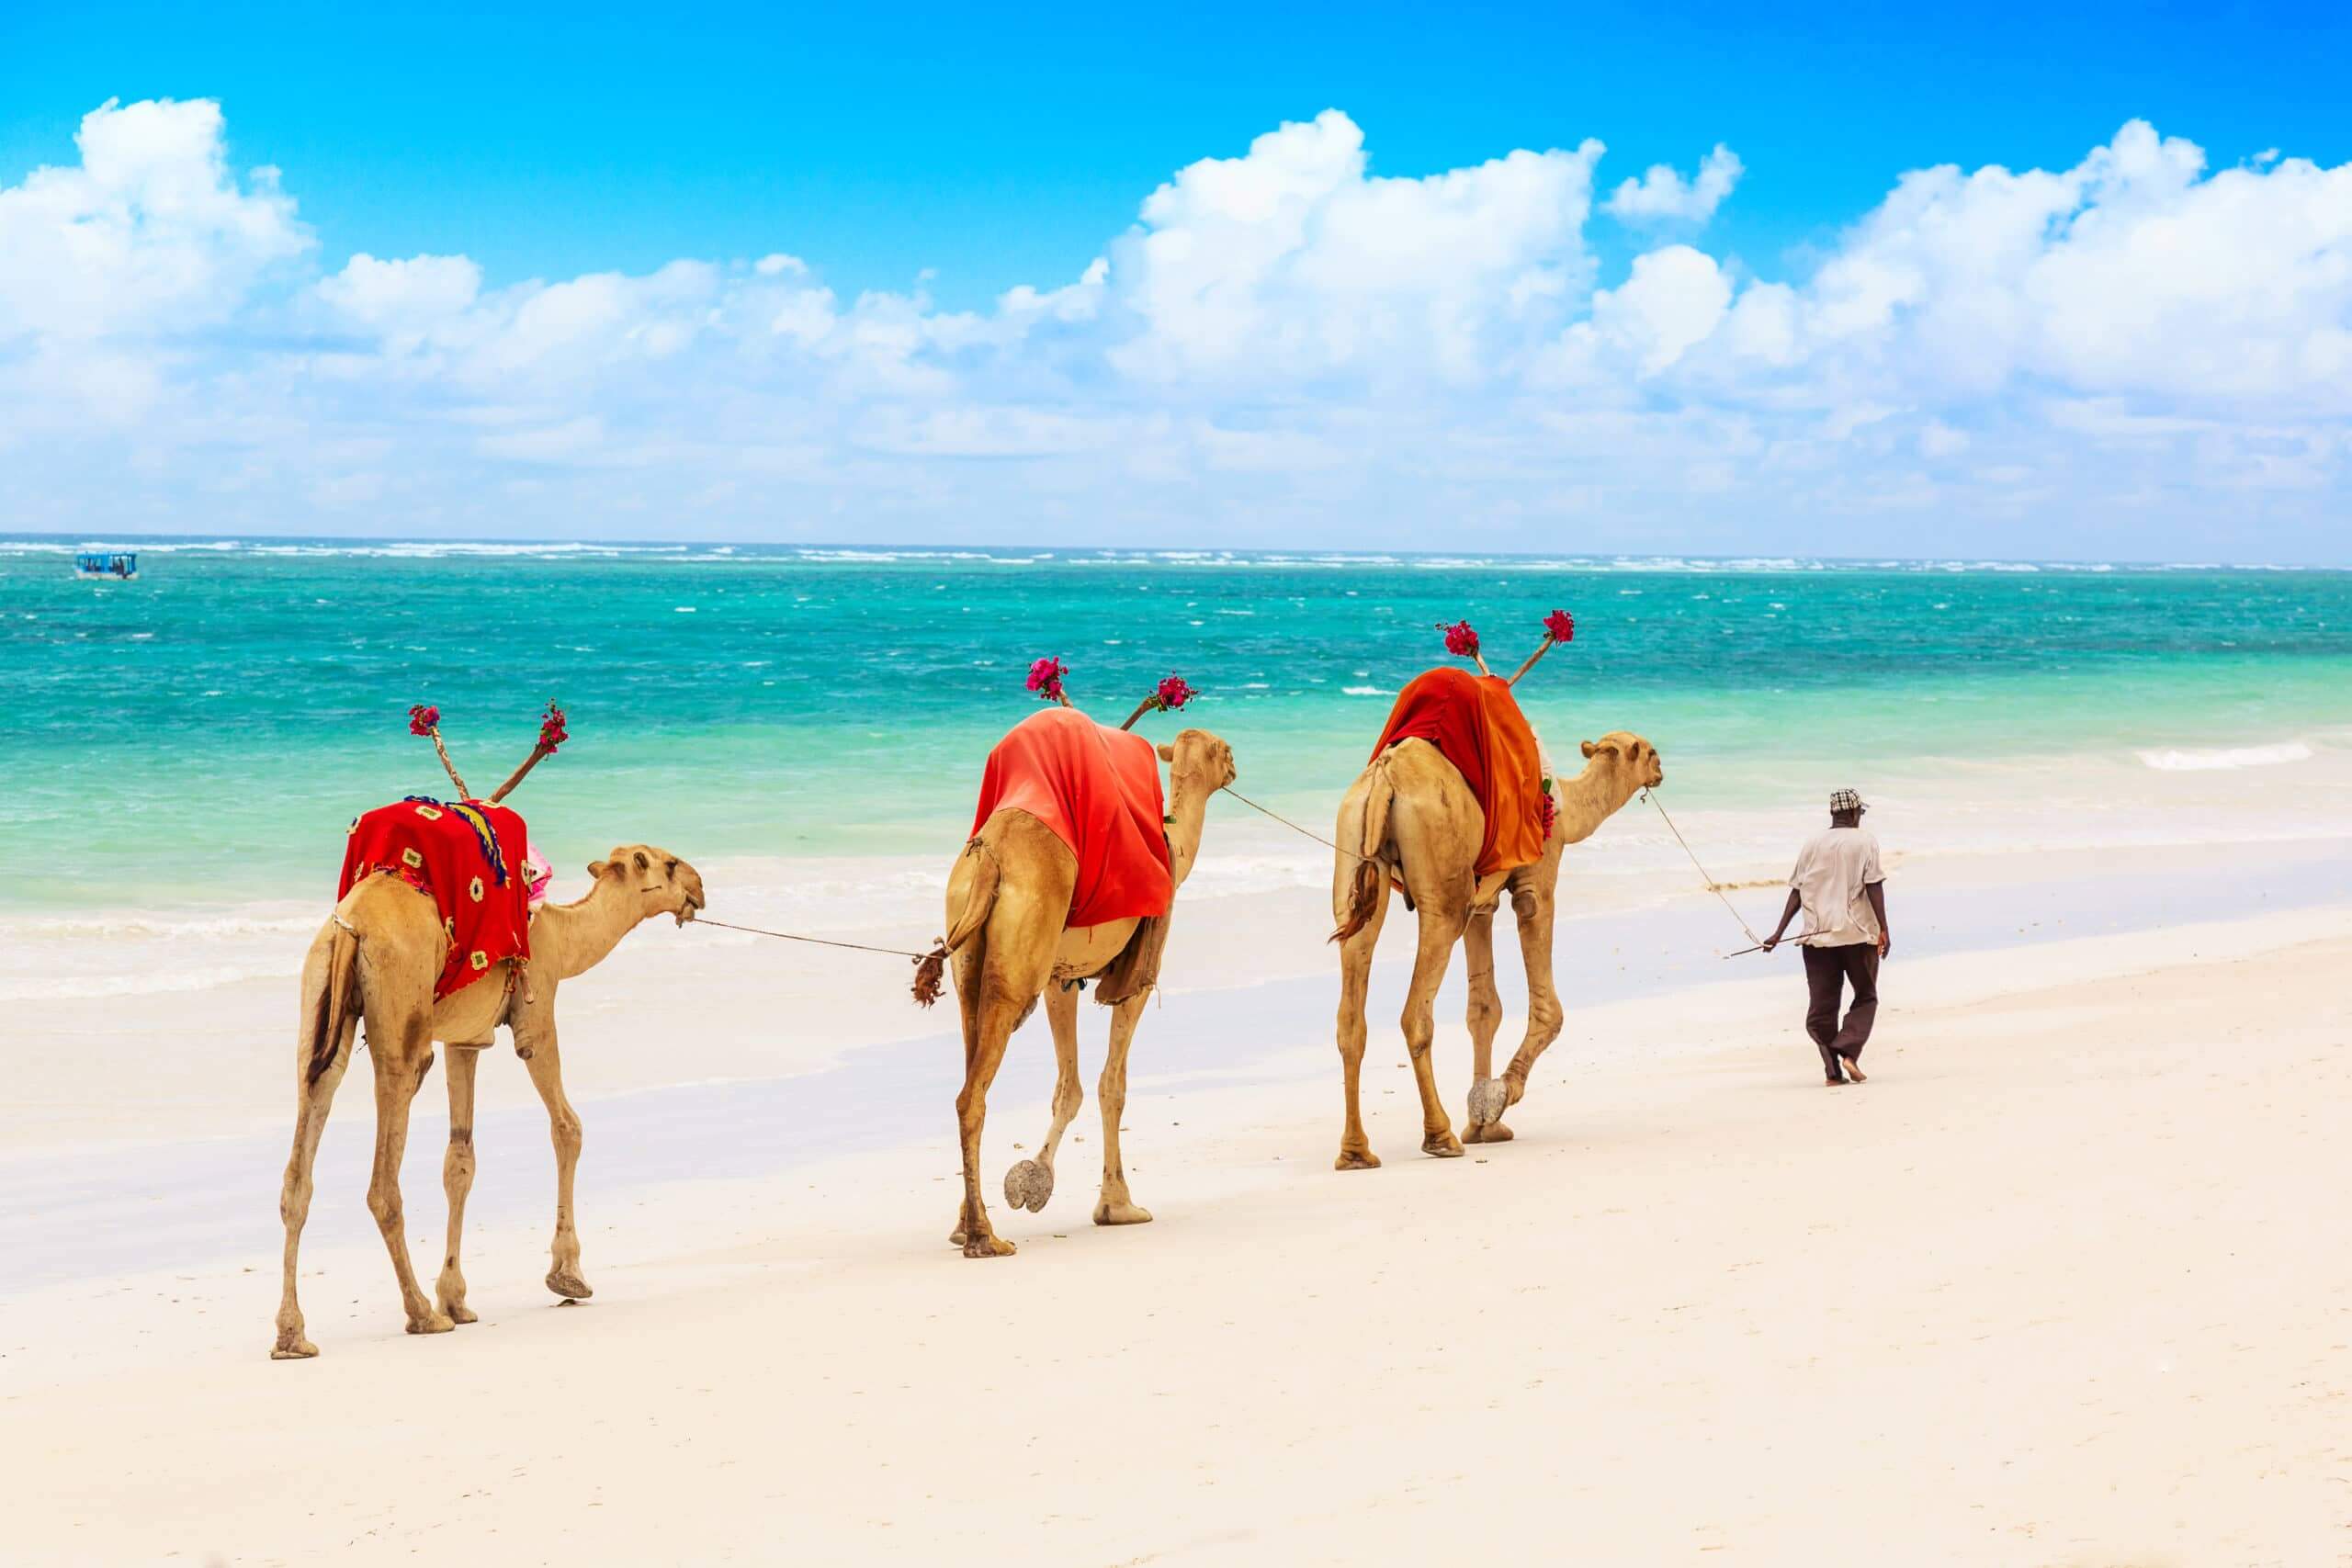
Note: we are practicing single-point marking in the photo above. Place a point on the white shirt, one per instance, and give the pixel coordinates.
(1832, 869)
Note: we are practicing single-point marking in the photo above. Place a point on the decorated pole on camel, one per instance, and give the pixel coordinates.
(1168, 696)
(552, 734)
(425, 719)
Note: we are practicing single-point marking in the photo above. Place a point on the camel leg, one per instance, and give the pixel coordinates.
(1486, 1016)
(294, 1198)
(1031, 1182)
(1535, 902)
(536, 1046)
(1355, 979)
(399, 1072)
(1116, 1207)
(965, 967)
(1013, 967)
(458, 1178)
(1440, 930)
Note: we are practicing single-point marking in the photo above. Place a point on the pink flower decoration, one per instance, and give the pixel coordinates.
(1561, 626)
(1460, 639)
(423, 720)
(1046, 679)
(552, 733)
(1174, 693)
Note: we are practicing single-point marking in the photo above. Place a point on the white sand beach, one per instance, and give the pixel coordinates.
(2060, 1284)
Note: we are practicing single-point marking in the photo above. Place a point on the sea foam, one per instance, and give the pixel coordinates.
(2217, 759)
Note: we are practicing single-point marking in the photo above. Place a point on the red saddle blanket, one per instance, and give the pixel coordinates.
(1475, 723)
(1098, 789)
(467, 858)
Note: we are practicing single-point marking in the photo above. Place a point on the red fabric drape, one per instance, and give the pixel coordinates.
(1098, 789)
(1475, 723)
(430, 845)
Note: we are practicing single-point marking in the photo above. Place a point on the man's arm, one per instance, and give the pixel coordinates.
(1787, 913)
(1877, 891)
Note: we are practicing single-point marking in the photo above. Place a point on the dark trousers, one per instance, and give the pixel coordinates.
(1826, 969)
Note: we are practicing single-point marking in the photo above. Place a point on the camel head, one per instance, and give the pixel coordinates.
(1198, 763)
(1633, 761)
(659, 881)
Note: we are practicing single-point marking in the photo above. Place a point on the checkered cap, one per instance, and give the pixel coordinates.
(1846, 800)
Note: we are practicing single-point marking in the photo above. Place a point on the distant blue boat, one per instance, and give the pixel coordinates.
(122, 564)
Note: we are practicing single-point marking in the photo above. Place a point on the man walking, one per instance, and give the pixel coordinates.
(1841, 888)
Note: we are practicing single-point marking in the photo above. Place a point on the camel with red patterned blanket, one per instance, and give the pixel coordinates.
(376, 958)
(390, 955)
(1411, 820)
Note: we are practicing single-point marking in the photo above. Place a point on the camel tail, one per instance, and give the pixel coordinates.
(930, 970)
(338, 997)
(1372, 831)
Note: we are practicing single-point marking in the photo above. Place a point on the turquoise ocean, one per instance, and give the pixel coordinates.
(202, 736)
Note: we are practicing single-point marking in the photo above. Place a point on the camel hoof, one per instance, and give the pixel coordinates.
(1028, 1184)
(1443, 1145)
(460, 1313)
(1110, 1213)
(436, 1323)
(988, 1247)
(569, 1285)
(1489, 1097)
(292, 1347)
(1356, 1159)
(1492, 1132)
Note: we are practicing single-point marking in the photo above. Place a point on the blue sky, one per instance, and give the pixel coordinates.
(947, 155)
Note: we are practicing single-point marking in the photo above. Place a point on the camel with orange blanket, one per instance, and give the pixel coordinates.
(1456, 807)
(1069, 875)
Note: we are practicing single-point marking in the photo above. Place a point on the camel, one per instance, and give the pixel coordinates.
(376, 958)
(1008, 898)
(1412, 816)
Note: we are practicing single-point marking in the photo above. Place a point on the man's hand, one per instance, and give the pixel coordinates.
(1771, 941)
(1885, 943)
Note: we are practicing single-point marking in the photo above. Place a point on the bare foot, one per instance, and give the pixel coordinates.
(1853, 1070)
(1356, 1159)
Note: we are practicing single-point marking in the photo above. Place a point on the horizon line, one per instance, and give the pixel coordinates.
(1750, 560)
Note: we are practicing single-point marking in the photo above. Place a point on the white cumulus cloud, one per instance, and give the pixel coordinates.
(1286, 343)
(1663, 194)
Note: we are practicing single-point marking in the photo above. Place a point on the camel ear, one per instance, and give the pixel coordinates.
(597, 868)
(1167, 753)
(1589, 750)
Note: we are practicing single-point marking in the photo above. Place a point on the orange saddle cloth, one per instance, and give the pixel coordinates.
(1475, 723)
(467, 858)
(1098, 789)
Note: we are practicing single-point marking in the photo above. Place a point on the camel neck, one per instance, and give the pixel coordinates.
(571, 939)
(1187, 811)
(1586, 801)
